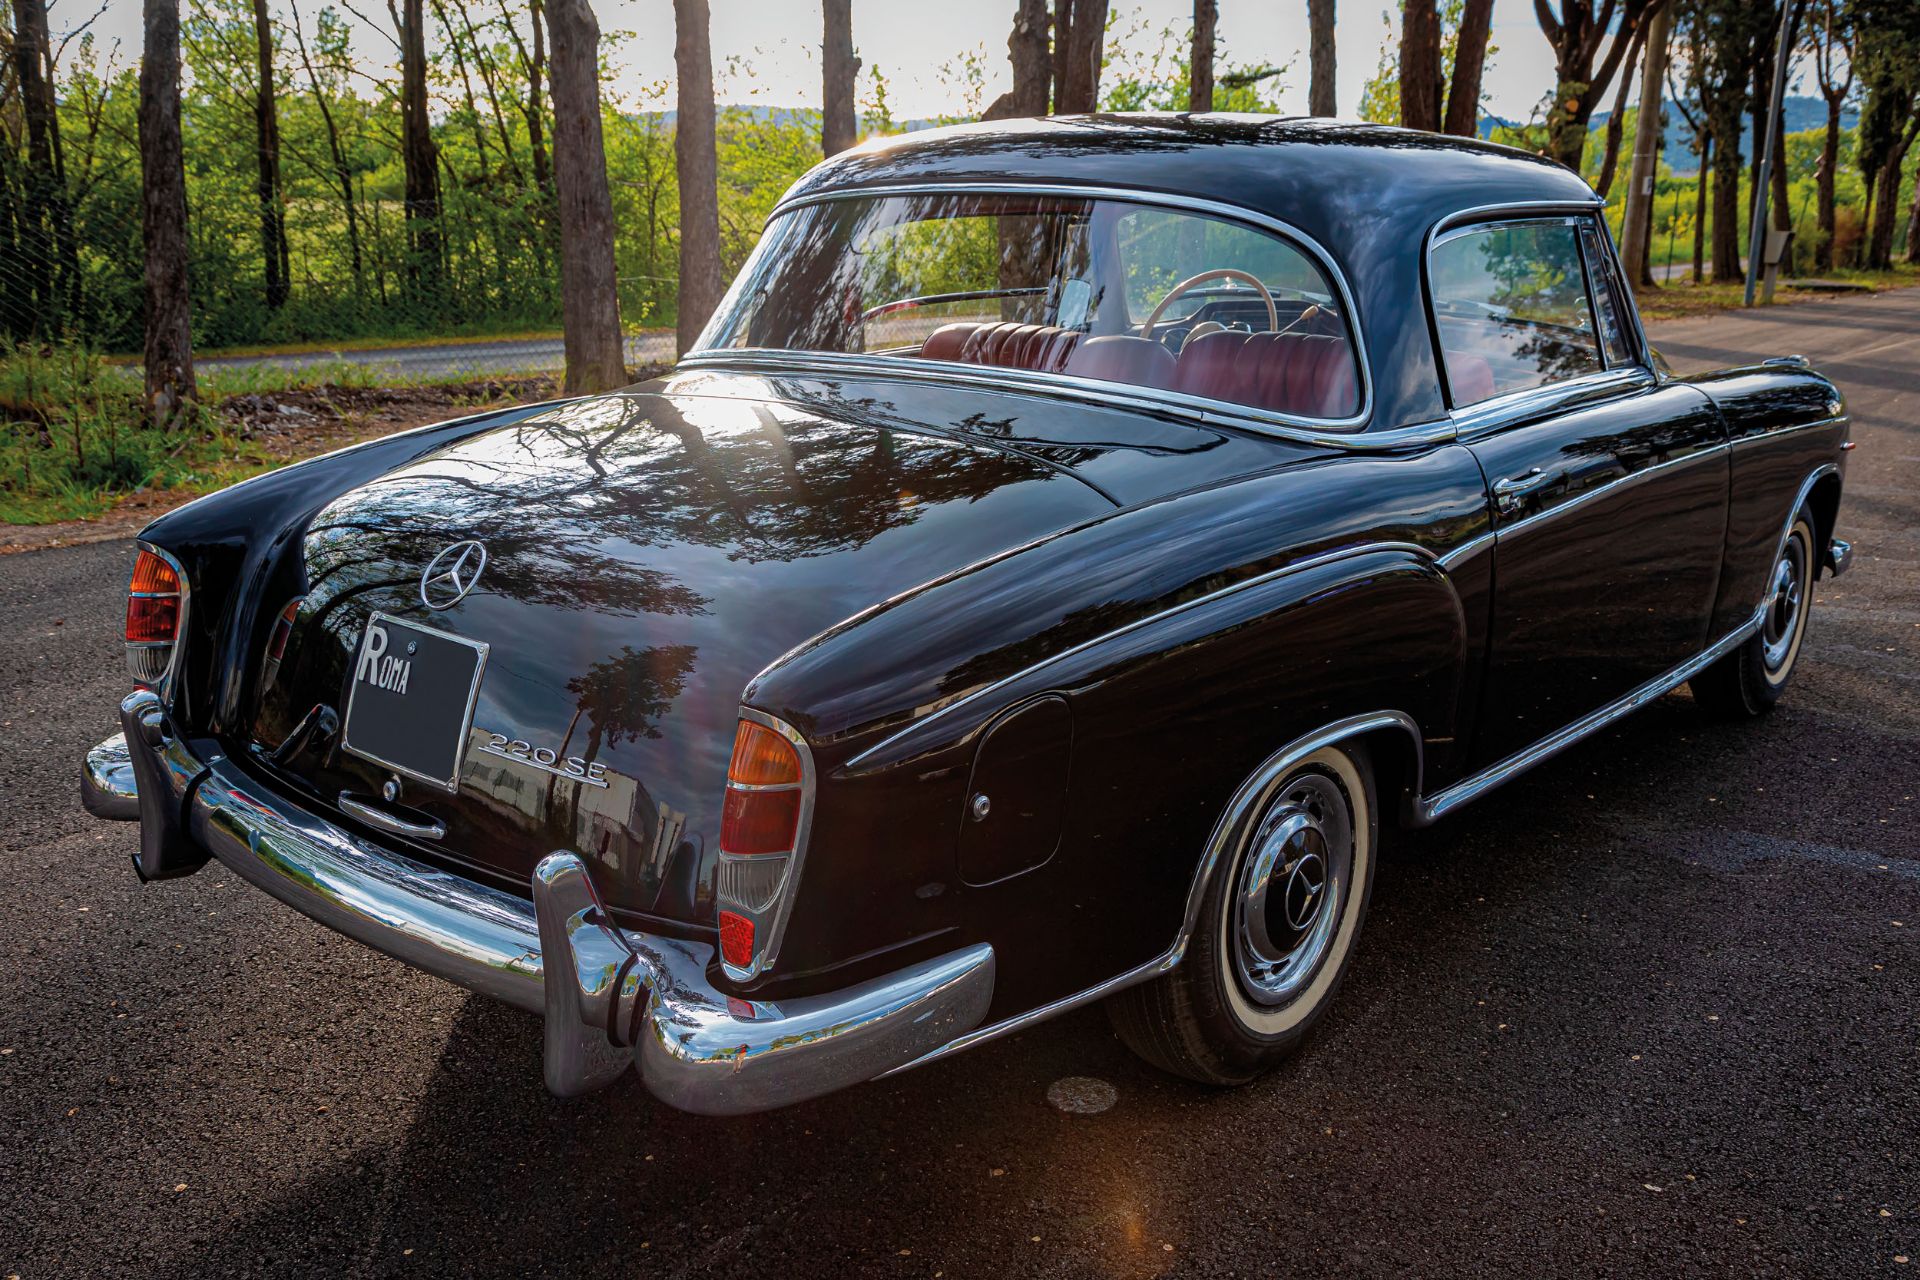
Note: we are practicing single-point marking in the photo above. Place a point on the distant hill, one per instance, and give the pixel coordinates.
(1799, 112)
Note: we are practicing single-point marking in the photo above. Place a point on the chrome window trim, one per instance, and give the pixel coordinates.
(164, 686)
(1503, 411)
(1240, 415)
(768, 951)
(865, 758)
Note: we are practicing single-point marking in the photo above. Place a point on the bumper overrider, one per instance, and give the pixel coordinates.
(610, 997)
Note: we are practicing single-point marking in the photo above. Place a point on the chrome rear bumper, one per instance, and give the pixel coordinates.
(609, 996)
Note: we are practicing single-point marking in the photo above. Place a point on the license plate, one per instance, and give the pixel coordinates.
(410, 703)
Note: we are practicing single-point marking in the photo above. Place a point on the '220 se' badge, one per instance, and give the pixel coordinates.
(572, 768)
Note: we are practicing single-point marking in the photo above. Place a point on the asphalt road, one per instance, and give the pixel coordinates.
(449, 359)
(1650, 1011)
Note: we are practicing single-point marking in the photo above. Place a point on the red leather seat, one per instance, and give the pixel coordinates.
(1470, 376)
(1138, 362)
(1297, 374)
(1006, 344)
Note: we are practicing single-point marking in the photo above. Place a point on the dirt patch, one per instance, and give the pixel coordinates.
(289, 426)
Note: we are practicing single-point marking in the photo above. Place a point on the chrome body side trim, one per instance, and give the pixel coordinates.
(1836, 420)
(1429, 808)
(610, 996)
(919, 726)
(108, 788)
(1212, 208)
(1627, 481)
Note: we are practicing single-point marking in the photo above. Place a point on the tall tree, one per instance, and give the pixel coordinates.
(170, 387)
(1617, 120)
(45, 233)
(1722, 37)
(1831, 35)
(1206, 19)
(1321, 99)
(1587, 50)
(589, 286)
(1469, 65)
(839, 69)
(1079, 43)
(698, 164)
(1420, 83)
(1032, 64)
(267, 189)
(342, 171)
(1648, 137)
(419, 156)
(1887, 53)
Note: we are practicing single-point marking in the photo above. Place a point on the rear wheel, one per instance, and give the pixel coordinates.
(1748, 681)
(1275, 933)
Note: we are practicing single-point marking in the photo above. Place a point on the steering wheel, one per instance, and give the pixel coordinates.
(1218, 273)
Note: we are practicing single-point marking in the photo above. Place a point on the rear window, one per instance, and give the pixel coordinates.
(1102, 290)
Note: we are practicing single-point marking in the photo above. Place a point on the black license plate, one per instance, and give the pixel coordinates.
(410, 703)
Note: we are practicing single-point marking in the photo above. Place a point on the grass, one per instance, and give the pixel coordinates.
(74, 443)
(1680, 297)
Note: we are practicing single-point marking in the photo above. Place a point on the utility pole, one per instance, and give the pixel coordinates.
(1636, 228)
(1757, 234)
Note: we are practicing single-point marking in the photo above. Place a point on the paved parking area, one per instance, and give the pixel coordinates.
(1651, 1010)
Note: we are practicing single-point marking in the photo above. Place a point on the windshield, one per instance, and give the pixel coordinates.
(1108, 290)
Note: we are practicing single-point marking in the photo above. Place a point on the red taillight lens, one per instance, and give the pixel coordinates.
(755, 822)
(152, 619)
(736, 939)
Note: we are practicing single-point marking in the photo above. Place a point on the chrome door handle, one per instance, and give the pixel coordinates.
(429, 830)
(1510, 493)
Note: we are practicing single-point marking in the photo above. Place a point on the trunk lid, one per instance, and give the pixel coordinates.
(646, 555)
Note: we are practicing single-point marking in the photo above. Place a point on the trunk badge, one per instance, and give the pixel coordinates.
(451, 574)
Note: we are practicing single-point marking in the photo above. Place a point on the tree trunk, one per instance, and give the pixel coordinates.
(1913, 226)
(1321, 98)
(536, 124)
(589, 287)
(1617, 122)
(420, 158)
(1079, 43)
(266, 132)
(1469, 61)
(170, 387)
(342, 173)
(1726, 192)
(1700, 209)
(839, 70)
(694, 154)
(1886, 211)
(1637, 222)
(1206, 17)
(1420, 66)
(45, 230)
(1829, 161)
(1032, 65)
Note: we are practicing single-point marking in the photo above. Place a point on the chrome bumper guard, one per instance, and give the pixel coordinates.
(1839, 556)
(609, 996)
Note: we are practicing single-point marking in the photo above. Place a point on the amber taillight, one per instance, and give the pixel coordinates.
(761, 829)
(155, 602)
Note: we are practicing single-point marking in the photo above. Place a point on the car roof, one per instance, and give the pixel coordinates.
(1367, 195)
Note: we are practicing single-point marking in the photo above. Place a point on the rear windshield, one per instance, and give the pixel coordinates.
(1107, 290)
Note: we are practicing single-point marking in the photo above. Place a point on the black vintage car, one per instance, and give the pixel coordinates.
(1071, 545)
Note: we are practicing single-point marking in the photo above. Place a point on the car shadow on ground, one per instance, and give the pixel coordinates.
(956, 1162)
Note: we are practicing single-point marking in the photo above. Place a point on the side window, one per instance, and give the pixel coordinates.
(1510, 305)
(1609, 299)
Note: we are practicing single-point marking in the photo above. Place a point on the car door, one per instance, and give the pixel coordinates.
(1608, 484)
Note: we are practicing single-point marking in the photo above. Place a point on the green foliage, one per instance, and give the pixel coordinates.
(1149, 68)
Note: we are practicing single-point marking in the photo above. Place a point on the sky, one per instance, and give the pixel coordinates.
(778, 41)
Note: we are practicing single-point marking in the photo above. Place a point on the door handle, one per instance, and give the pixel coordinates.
(1511, 493)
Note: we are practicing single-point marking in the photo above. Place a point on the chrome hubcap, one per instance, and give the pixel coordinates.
(1786, 598)
(1292, 888)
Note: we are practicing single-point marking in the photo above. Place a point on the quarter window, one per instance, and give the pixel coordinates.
(1609, 299)
(1511, 308)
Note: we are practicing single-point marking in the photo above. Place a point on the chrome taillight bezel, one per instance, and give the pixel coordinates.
(143, 655)
(770, 920)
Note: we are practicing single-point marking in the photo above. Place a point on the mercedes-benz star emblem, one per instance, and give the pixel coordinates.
(451, 574)
(1303, 890)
